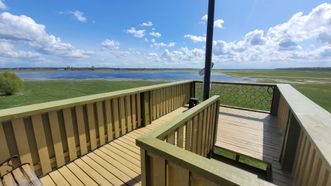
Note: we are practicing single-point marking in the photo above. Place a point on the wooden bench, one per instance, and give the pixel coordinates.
(22, 174)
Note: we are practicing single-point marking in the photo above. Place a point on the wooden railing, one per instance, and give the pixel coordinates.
(175, 153)
(51, 134)
(306, 127)
(249, 96)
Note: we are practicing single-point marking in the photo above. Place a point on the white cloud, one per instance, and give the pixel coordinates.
(195, 38)
(161, 44)
(23, 31)
(136, 33)
(2, 5)
(218, 23)
(204, 18)
(7, 50)
(79, 16)
(147, 24)
(155, 34)
(110, 44)
(284, 42)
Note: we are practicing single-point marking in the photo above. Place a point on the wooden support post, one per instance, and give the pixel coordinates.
(192, 95)
(146, 108)
(275, 101)
(290, 143)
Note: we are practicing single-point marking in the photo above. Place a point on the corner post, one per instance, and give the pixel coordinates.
(275, 101)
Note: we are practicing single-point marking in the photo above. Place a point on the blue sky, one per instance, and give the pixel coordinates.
(248, 33)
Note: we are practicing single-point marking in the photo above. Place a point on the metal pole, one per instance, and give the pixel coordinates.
(209, 48)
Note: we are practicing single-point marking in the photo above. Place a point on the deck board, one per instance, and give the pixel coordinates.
(115, 163)
(253, 134)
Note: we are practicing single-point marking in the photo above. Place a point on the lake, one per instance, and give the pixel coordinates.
(123, 74)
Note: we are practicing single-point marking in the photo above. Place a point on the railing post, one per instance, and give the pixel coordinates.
(275, 101)
(192, 90)
(290, 143)
(146, 108)
(216, 122)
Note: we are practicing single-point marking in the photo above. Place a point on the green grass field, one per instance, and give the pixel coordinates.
(43, 91)
(315, 84)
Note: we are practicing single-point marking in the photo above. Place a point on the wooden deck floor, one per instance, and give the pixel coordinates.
(116, 163)
(253, 134)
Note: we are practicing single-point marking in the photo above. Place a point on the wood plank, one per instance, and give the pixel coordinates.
(3, 144)
(128, 112)
(122, 115)
(9, 180)
(101, 123)
(171, 138)
(56, 137)
(134, 111)
(81, 129)
(209, 145)
(69, 128)
(158, 168)
(119, 165)
(31, 175)
(47, 181)
(158, 107)
(111, 168)
(197, 180)
(81, 175)
(19, 177)
(315, 171)
(180, 137)
(22, 141)
(69, 176)
(139, 110)
(92, 173)
(134, 160)
(126, 162)
(91, 124)
(145, 173)
(200, 130)
(177, 175)
(58, 178)
(195, 134)
(116, 117)
(39, 133)
(109, 121)
(188, 137)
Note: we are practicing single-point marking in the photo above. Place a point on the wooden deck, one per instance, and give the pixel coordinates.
(116, 163)
(253, 134)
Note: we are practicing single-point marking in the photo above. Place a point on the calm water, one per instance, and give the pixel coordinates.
(113, 75)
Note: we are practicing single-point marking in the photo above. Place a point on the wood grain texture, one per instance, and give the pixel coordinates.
(81, 130)
(39, 133)
(22, 141)
(91, 124)
(69, 128)
(56, 137)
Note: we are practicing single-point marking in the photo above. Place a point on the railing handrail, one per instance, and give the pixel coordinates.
(240, 83)
(215, 171)
(163, 131)
(22, 111)
(313, 119)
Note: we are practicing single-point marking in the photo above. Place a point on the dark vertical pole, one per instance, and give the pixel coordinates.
(209, 48)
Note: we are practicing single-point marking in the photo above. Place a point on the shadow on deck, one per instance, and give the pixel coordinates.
(253, 134)
(115, 163)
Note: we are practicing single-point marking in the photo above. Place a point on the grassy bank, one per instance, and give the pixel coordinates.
(315, 84)
(43, 91)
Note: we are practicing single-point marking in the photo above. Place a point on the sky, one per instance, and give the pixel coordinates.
(254, 34)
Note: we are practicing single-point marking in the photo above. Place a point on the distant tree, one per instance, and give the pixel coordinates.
(10, 83)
